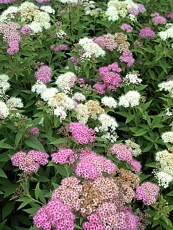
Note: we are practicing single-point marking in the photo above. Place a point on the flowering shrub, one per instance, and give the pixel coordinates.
(86, 131)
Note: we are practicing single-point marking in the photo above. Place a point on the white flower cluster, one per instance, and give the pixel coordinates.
(111, 137)
(164, 174)
(135, 148)
(119, 9)
(132, 78)
(167, 137)
(168, 33)
(90, 9)
(4, 111)
(4, 84)
(9, 13)
(37, 18)
(69, 1)
(90, 49)
(82, 113)
(167, 86)
(109, 102)
(14, 102)
(66, 81)
(130, 99)
(107, 123)
(61, 34)
(48, 9)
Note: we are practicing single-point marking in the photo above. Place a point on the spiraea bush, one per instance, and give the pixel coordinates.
(86, 130)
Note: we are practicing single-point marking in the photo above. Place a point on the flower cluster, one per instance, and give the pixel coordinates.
(64, 156)
(43, 74)
(147, 192)
(121, 9)
(164, 172)
(110, 78)
(130, 99)
(29, 162)
(90, 49)
(124, 153)
(81, 133)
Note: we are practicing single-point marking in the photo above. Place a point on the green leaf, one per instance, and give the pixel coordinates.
(59, 141)
(4, 145)
(25, 201)
(140, 132)
(18, 138)
(35, 144)
(2, 173)
(7, 209)
(62, 170)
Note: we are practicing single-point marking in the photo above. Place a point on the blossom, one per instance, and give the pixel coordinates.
(30, 162)
(14, 102)
(91, 165)
(157, 19)
(81, 133)
(43, 74)
(163, 178)
(66, 81)
(64, 156)
(126, 27)
(4, 111)
(90, 49)
(130, 99)
(4, 84)
(107, 122)
(109, 102)
(54, 214)
(167, 137)
(132, 78)
(127, 57)
(147, 192)
(147, 32)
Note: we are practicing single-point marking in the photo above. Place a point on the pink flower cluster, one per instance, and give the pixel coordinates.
(126, 27)
(106, 42)
(123, 153)
(108, 216)
(7, 1)
(54, 215)
(141, 9)
(61, 47)
(147, 192)
(74, 60)
(147, 32)
(110, 77)
(158, 19)
(81, 133)
(68, 193)
(42, 1)
(64, 156)
(25, 30)
(34, 131)
(169, 15)
(91, 165)
(11, 36)
(31, 161)
(43, 74)
(127, 57)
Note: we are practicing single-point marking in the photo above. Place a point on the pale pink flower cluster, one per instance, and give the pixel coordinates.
(64, 156)
(158, 19)
(54, 215)
(147, 192)
(147, 32)
(31, 161)
(126, 27)
(68, 192)
(25, 30)
(140, 9)
(106, 42)
(81, 133)
(124, 153)
(91, 165)
(127, 57)
(11, 35)
(108, 216)
(43, 74)
(61, 47)
(34, 131)
(110, 78)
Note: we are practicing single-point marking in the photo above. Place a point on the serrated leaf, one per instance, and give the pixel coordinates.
(2, 173)
(18, 138)
(59, 141)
